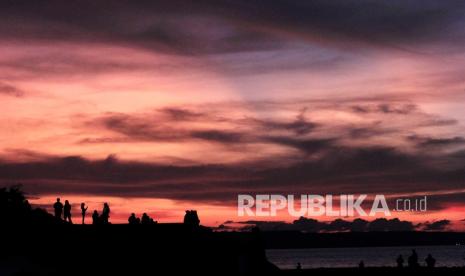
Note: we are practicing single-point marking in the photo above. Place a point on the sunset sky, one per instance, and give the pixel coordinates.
(163, 106)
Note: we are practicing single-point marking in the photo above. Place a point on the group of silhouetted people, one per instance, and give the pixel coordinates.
(102, 218)
(65, 210)
(412, 260)
(146, 219)
(191, 218)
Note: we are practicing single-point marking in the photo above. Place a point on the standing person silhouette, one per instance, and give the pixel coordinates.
(430, 261)
(132, 219)
(413, 259)
(400, 261)
(83, 212)
(67, 212)
(105, 213)
(58, 207)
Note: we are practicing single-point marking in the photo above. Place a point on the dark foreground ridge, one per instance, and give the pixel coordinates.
(34, 242)
(133, 249)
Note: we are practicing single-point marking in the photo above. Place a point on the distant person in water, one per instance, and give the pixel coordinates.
(299, 266)
(361, 264)
(400, 261)
(83, 212)
(133, 220)
(58, 207)
(430, 261)
(95, 218)
(67, 212)
(413, 259)
(105, 213)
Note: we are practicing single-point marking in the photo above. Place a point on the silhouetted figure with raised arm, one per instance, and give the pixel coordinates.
(400, 261)
(58, 207)
(413, 259)
(67, 212)
(83, 212)
(133, 220)
(105, 213)
(430, 261)
(95, 218)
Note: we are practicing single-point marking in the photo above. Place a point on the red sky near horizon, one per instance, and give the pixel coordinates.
(164, 106)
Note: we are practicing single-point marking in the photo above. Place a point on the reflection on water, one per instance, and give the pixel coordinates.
(372, 256)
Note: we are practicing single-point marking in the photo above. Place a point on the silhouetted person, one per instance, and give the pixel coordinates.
(83, 212)
(145, 219)
(413, 259)
(67, 212)
(58, 207)
(95, 218)
(105, 213)
(299, 267)
(133, 220)
(361, 264)
(430, 261)
(400, 261)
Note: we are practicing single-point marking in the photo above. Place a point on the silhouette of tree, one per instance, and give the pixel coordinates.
(16, 210)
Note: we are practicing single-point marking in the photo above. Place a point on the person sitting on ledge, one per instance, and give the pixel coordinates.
(95, 218)
(146, 219)
(133, 220)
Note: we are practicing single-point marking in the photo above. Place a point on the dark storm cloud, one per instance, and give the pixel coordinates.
(159, 129)
(340, 170)
(204, 27)
(219, 136)
(304, 145)
(385, 108)
(428, 142)
(439, 225)
(442, 201)
(10, 90)
(312, 164)
(300, 126)
(182, 114)
(163, 126)
(314, 158)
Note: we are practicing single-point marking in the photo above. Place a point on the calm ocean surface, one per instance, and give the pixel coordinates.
(372, 256)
